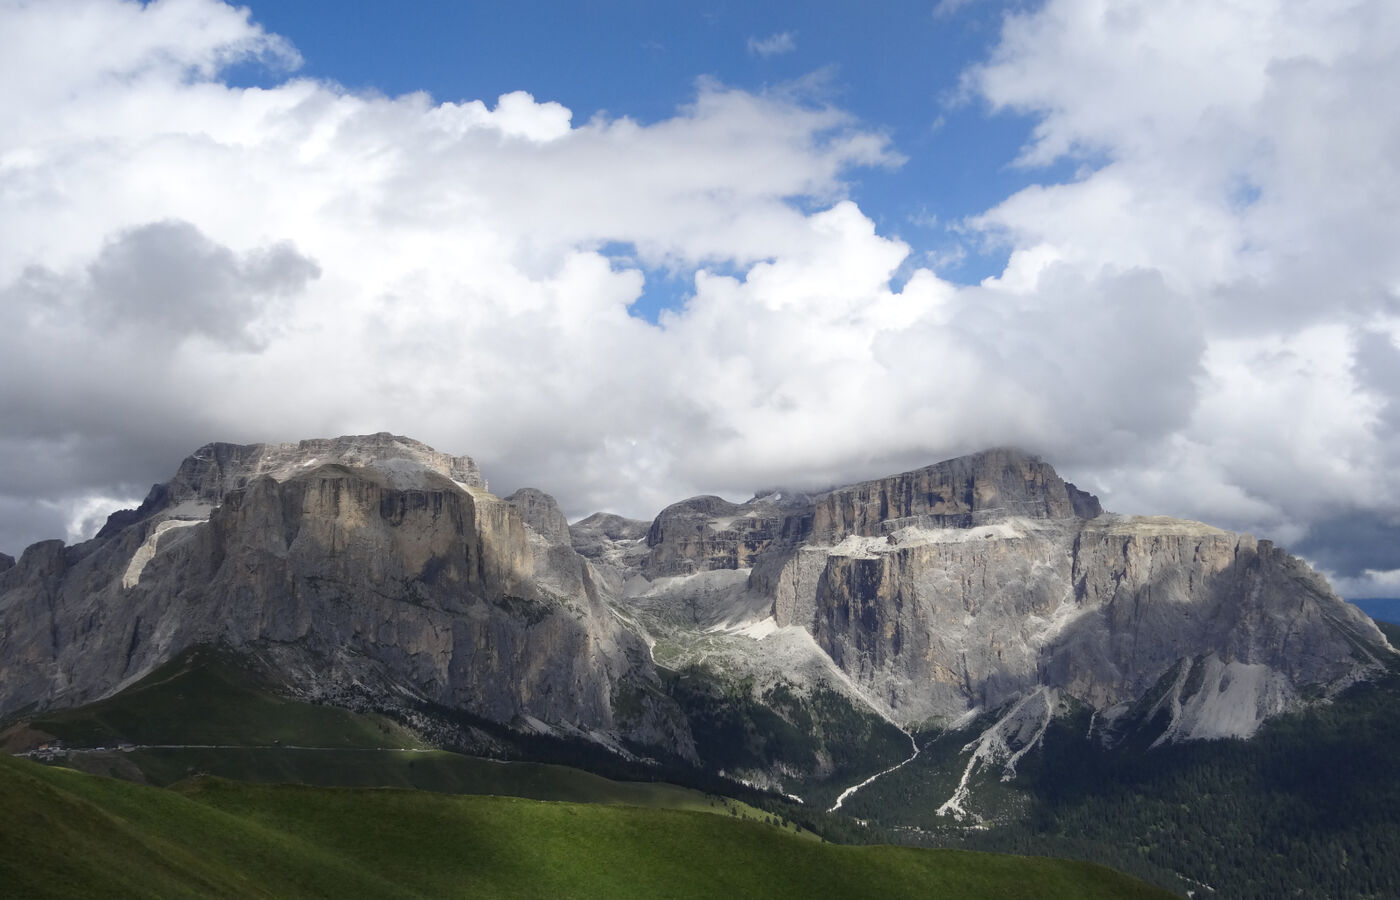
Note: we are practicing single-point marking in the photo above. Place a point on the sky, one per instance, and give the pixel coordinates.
(629, 252)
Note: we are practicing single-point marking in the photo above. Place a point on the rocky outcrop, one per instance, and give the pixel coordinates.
(601, 533)
(936, 623)
(613, 544)
(6, 561)
(971, 583)
(373, 557)
(959, 493)
(707, 533)
(540, 511)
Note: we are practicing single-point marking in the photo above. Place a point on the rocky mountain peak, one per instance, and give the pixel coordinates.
(214, 469)
(610, 538)
(964, 492)
(921, 597)
(206, 476)
(541, 512)
(707, 533)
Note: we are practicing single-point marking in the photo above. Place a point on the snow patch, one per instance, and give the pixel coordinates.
(147, 551)
(750, 629)
(918, 534)
(759, 630)
(859, 546)
(866, 547)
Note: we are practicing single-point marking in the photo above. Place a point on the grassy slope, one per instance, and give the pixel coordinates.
(65, 834)
(212, 696)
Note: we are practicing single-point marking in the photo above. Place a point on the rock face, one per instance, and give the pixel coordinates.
(977, 584)
(969, 584)
(374, 558)
(959, 493)
(939, 623)
(602, 533)
(705, 533)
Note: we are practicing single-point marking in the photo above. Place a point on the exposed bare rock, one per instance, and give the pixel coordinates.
(541, 512)
(960, 493)
(398, 567)
(212, 471)
(6, 561)
(614, 544)
(595, 535)
(979, 583)
(939, 622)
(971, 583)
(706, 533)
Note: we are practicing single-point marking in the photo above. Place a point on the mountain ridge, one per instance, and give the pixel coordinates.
(929, 596)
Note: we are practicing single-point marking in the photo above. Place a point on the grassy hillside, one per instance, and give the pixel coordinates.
(68, 834)
(212, 696)
(209, 712)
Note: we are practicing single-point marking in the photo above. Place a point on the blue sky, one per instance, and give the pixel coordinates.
(633, 252)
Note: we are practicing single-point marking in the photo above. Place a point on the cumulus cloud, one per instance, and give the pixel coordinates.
(1203, 321)
(1245, 153)
(773, 45)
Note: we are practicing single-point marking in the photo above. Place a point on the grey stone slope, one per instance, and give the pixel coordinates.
(374, 552)
(966, 585)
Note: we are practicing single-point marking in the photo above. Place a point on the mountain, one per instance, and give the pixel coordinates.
(969, 653)
(789, 639)
(361, 566)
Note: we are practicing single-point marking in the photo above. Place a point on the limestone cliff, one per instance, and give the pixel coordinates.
(610, 539)
(959, 493)
(374, 558)
(969, 584)
(975, 584)
(705, 533)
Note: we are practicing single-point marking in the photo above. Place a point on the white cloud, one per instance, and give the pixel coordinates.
(1369, 584)
(773, 45)
(1203, 322)
(1247, 153)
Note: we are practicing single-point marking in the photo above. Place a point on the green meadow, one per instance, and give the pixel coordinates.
(70, 834)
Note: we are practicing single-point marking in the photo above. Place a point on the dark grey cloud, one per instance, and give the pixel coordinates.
(1378, 367)
(24, 521)
(94, 402)
(168, 279)
(1354, 542)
